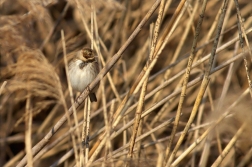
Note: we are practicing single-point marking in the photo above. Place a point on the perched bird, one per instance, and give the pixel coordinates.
(83, 69)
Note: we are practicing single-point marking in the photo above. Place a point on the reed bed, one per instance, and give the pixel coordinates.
(174, 87)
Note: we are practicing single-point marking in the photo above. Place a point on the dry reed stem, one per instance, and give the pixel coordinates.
(202, 106)
(179, 74)
(137, 119)
(206, 150)
(169, 35)
(77, 155)
(54, 27)
(119, 152)
(15, 159)
(160, 103)
(144, 73)
(159, 147)
(110, 30)
(87, 131)
(203, 85)
(178, 49)
(242, 29)
(229, 146)
(103, 64)
(182, 41)
(83, 132)
(197, 133)
(106, 117)
(185, 82)
(28, 123)
(139, 138)
(246, 159)
(243, 35)
(144, 86)
(226, 19)
(102, 73)
(69, 85)
(95, 45)
(51, 116)
(2, 87)
(177, 92)
(196, 142)
(115, 58)
(210, 33)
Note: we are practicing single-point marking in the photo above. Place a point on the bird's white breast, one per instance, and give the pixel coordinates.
(81, 78)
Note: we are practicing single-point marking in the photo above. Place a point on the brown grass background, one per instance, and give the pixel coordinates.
(34, 93)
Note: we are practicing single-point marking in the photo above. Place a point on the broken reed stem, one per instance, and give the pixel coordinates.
(186, 79)
(203, 85)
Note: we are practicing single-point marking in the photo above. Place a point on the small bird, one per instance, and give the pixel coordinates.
(83, 69)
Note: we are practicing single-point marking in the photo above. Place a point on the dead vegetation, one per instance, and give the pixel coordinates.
(175, 88)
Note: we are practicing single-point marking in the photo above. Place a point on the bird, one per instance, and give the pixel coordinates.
(83, 69)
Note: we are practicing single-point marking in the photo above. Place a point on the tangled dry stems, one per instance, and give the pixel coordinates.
(33, 81)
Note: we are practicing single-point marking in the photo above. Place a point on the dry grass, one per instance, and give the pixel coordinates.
(174, 91)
